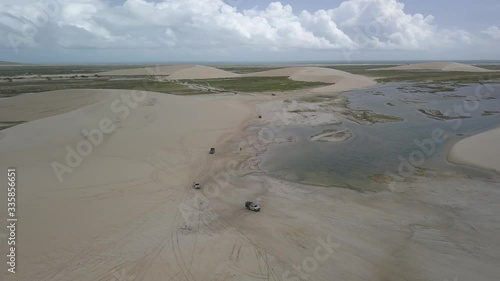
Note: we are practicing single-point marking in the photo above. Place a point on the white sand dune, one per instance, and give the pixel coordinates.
(201, 72)
(122, 203)
(30, 107)
(343, 81)
(438, 66)
(280, 72)
(481, 151)
(174, 72)
(161, 70)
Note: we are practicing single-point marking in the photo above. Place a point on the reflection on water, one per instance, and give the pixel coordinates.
(381, 148)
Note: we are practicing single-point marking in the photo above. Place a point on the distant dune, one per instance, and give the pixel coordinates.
(343, 81)
(202, 72)
(163, 70)
(183, 71)
(438, 66)
(29, 107)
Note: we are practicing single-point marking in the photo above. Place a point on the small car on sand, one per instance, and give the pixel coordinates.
(196, 185)
(252, 206)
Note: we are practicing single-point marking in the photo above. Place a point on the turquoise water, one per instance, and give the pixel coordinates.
(382, 148)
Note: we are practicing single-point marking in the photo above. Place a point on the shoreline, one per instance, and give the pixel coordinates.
(481, 151)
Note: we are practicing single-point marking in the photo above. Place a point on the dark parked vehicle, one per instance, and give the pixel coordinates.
(212, 150)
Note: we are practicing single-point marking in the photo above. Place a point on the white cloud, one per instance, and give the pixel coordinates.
(492, 31)
(353, 25)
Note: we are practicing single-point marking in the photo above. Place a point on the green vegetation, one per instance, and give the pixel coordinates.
(489, 66)
(247, 69)
(439, 88)
(381, 178)
(361, 69)
(59, 69)
(324, 100)
(302, 110)
(490, 112)
(257, 84)
(438, 115)
(316, 98)
(421, 76)
(11, 85)
(34, 86)
(385, 76)
(253, 84)
(351, 68)
(370, 117)
(7, 124)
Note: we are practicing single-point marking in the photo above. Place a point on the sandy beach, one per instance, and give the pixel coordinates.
(105, 192)
(481, 151)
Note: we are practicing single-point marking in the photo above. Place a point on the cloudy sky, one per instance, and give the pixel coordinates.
(133, 31)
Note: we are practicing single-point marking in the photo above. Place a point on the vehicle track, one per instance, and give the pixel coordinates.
(87, 257)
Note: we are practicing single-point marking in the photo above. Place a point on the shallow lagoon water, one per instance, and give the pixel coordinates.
(383, 147)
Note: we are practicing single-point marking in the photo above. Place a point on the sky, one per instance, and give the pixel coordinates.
(139, 31)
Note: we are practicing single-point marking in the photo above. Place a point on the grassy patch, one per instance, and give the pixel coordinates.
(381, 178)
(257, 84)
(29, 86)
(302, 110)
(370, 117)
(425, 76)
(362, 69)
(384, 76)
(59, 69)
(254, 84)
(489, 66)
(383, 118)
(7, 124)
(315, 99)
(490, 112)
(438, 115)
(247, 69)
(435, 88)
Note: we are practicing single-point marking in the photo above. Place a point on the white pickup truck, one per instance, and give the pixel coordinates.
(196, 185)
